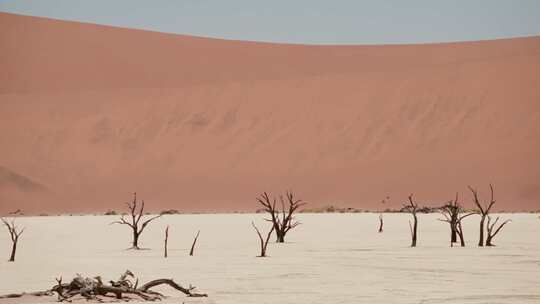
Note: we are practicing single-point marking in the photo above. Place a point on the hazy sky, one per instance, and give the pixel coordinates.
(305, 21)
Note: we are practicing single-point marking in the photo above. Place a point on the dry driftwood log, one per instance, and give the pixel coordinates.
(124, 288)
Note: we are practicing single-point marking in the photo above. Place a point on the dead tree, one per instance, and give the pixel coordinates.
(194, 242)
(483, 211)
(282, 221)
(491, 233)
(134, 220)
(264, 242)
(452, 213)
(384, 201)
(166, 240)
(412, 208)
(14, 233)
(95, 289)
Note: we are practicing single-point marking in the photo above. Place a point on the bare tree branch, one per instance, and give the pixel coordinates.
(193, 244)
(491, 233)
(263, 242)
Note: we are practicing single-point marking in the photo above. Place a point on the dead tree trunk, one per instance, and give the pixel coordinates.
(135, 242)
(453, 236)
(134, 222)
(491, 233)
(380, 223)
(264, 242)
(451, 212)
(460, 234)
(193, 244)
(281, 221)
(481, 235)
(483, 211)
(414, 230)
(166, 240)
(14, 233)
(412, 207)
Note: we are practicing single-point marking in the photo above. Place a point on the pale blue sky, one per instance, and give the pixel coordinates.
(305, 21)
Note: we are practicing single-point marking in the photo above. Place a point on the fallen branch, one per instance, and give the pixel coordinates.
(170, 282)
(95, 289)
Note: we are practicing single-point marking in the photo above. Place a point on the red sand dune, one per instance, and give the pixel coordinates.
(89, 114)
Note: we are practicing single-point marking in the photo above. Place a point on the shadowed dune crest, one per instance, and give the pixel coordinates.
(97, 112)
(10, 179)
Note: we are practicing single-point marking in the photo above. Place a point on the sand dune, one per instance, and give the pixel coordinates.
(95, 113)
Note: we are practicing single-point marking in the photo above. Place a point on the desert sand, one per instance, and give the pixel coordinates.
(90, 114)
(330, 258)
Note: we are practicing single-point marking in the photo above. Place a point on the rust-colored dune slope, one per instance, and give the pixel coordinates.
(92, 113)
